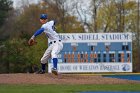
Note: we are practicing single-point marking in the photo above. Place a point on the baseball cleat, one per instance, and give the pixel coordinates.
(54, 71)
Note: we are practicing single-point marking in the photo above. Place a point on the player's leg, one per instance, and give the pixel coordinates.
(44, 60)
(57, 47)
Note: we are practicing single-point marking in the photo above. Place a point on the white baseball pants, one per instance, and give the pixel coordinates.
(52, 51)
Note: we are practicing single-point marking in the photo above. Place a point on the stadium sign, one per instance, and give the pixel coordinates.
(95, 52)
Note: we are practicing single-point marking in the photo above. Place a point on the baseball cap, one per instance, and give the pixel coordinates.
(43, 16)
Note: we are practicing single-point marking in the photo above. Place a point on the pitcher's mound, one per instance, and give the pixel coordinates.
(21, 78)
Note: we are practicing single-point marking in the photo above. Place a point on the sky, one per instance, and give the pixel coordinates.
(16, 2)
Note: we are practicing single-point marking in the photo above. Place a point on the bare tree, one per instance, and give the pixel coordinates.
(107, 16)
(138, 28)
(60, 8)
(95, 4)
(20, 4)
(81, 10)
(120, 15)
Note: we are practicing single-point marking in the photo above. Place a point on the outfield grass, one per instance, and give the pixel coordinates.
(65, 88)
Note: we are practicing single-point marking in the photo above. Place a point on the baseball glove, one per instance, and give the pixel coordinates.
(31, 42)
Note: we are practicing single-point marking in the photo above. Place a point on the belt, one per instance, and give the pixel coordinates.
(54, 41)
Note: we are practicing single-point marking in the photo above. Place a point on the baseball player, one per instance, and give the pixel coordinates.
(55, 44)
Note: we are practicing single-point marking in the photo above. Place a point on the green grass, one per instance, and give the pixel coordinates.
(65, 88)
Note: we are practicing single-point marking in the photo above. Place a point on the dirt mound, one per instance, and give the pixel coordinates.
(21, 78)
